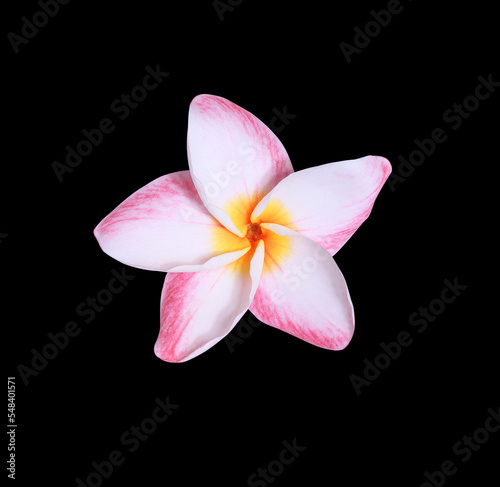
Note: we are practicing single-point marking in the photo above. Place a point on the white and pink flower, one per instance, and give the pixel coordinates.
(241, 230)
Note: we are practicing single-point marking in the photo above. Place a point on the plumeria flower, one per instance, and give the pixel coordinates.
(241, 230)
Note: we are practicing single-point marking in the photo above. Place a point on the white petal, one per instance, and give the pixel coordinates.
(303, 292)
(234, 159)
(164, 226)
(326, 203)
(199, 309)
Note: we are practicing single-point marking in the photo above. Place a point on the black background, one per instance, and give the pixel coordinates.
(235, 409)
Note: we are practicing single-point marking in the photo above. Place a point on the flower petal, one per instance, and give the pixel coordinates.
(199, 309)
(164, 226)
(234, 159)
(326, 203)
(304, 293)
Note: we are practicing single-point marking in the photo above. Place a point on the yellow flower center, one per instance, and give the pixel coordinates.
(254, 232)
(276, 247)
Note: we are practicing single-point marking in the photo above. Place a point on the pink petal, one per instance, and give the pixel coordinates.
(164, 226)
(303, 292)
(199, 309)
(326, 203)
(235, 160)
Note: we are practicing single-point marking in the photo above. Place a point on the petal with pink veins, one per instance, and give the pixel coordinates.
(165, 227)
(234, 159)
(199, 309)
(326, 203)
(303, 292)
